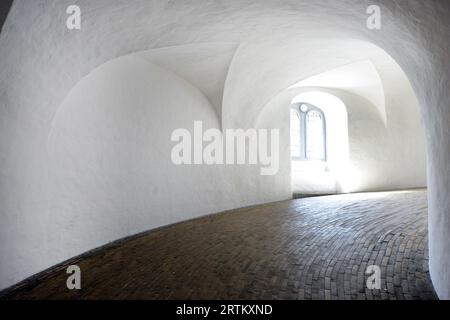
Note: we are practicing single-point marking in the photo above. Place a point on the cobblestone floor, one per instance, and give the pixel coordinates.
(314, 248)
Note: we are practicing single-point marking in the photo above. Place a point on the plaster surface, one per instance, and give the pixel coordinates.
(369, 144)
(42, 61)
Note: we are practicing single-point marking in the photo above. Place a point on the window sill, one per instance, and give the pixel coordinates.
(309, 165)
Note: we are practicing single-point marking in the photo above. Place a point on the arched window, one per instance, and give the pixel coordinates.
(308, 133)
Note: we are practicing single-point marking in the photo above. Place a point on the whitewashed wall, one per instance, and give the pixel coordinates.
(41, 61)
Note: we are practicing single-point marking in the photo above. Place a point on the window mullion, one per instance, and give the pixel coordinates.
(303, 135)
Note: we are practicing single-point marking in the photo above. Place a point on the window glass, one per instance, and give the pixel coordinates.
(315, 140)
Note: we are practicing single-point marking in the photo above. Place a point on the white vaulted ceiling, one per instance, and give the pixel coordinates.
(205, 65)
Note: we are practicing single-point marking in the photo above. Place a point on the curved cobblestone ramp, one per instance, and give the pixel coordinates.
(314, 248)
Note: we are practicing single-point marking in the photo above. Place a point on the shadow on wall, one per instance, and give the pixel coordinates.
(5, 6)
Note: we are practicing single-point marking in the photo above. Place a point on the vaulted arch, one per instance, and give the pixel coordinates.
(42, 61)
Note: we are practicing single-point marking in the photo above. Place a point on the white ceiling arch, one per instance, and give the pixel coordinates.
(310, 63)
(204, 65)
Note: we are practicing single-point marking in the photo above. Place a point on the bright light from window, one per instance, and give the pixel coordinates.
(308, 140)
(323, 164)
(315, 140)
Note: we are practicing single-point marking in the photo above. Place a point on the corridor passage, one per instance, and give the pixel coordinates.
(314, 248)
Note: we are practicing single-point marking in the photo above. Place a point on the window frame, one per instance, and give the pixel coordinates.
(303, 131)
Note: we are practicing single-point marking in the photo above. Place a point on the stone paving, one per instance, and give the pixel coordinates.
(314, 248)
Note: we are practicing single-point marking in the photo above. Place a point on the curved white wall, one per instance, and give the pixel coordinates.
(42, 61)
(109, 157)
(316, 178)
